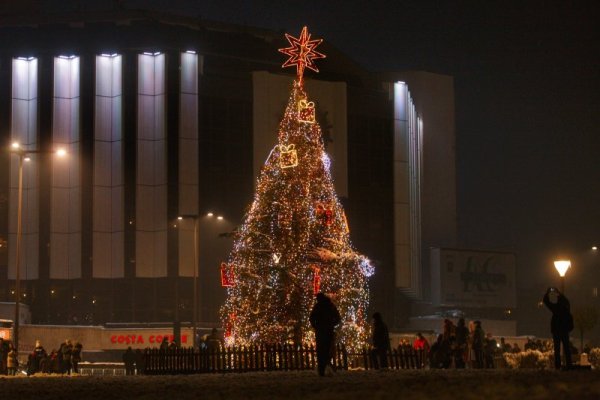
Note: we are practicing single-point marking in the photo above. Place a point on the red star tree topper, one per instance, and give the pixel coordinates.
(302, 53)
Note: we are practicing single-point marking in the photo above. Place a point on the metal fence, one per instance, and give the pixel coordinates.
(278, 357)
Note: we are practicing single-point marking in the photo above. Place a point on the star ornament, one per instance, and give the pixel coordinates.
(302, 53)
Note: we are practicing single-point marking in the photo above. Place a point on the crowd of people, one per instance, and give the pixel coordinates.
(65, 360)
(459, 346)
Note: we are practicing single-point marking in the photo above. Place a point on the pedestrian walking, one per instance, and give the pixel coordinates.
(323, 318)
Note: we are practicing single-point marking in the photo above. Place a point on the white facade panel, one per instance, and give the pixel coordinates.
(108, 214)
(407, 197)
(65, 209)
(24, 130)
(151, 174)
(188, 160)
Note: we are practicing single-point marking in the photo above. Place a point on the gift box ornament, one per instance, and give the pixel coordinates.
(227, 276)
(324, 212)
(288, 157)
(306, 111)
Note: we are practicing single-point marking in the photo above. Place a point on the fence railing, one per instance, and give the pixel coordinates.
(236, 359)
(264, 358)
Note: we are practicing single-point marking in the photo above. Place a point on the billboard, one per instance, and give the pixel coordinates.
(470, 278)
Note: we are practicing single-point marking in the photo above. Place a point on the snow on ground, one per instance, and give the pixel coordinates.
(363, 385)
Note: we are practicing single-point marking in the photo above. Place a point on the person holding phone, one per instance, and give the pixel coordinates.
(560, 325)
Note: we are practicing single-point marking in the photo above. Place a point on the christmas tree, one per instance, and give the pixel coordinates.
(294, 241)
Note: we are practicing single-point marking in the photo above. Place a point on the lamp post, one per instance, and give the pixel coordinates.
(23, 155)
(562, 266)
(195, 282)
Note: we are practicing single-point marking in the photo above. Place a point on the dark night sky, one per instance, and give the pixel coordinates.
(527, 87)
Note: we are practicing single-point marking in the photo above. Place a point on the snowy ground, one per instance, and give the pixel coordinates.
(363, 385)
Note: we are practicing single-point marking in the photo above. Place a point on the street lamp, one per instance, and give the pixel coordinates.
(23, 155)
(562, 267)
(195, 294)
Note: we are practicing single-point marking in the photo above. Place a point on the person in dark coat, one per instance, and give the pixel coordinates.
(323, 318)
(66, 350)
(381, 342)
(477, 345)
(560, 325)
(461, 344)
(439, 354)
(39, 354)
(129, 361)
(140, 362)
(76, 356)
(164, 345)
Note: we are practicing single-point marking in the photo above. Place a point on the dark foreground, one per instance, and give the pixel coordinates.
(363, 385)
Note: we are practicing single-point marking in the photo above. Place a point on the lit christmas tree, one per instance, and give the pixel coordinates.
(294, 241)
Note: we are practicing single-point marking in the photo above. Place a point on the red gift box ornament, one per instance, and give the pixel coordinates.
(306, 111)
(325, 213)
(288, 157)
(227, 277)
(316, 279)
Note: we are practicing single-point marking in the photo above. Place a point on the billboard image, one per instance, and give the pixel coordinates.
(469, 278)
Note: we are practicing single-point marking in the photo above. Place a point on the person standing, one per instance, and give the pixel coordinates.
(491, 348)
(12, 360)
(140, 362)
(381, 342)
(76, 356)
(477, 344)
(36, 358)
(323, 318)
(560, 325)
(66, 350)
(129, 361)
(421, 346)
(214, 341)
(2, 351)
(462, 348)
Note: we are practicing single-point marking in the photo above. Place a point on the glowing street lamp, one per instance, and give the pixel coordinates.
(562, 266)
(24, 155)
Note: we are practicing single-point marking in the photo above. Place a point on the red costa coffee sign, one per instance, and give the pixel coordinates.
(144, 339)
